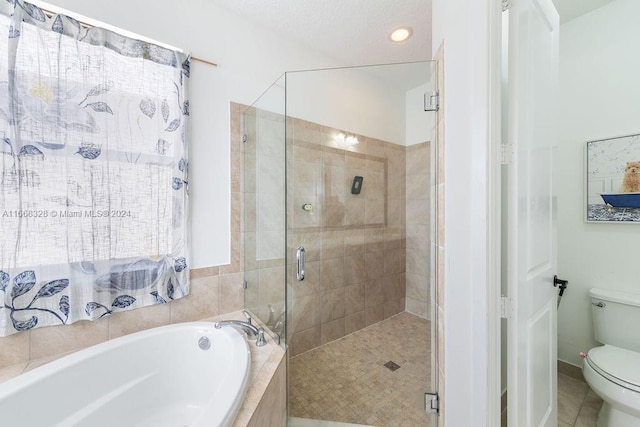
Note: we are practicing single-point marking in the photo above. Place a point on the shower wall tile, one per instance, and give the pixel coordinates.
(393, 307)
(354, 322)
(354, 214)
(374, 239)
(312, 242)
(304, 219)
(418, 262)
(354, 269)
(373, 314)
(396, 212)
(373, 296)
(417, 287)
(374, 264)
(312, 280)
(129, 322)
(332, 244)
(374, 211)
(395, 287)
(332, 305)
(356, 162)
(418, 237)
(394, 261)
(362, 255)
(305, 340)
(334, 213)
(231, 293)
(306, 178)
(354, 241)
(307, 132)
(354, 299)
(305, 312)
(331, 331)
(418, 211)
(375, 147)
(332, 273)
(54, 340)
(417, 307)
(418, 186)
(14, 349)
(335, 157)
(418, 226)
(271, 285)
(307, 152)
(201, 303)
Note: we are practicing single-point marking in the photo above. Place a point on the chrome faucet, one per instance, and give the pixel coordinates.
(252, 331)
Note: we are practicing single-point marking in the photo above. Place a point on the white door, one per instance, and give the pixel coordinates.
(532, 76)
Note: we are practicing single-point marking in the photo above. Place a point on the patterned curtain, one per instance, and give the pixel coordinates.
(93, 171)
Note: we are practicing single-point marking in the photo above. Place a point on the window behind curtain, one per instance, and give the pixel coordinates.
(93, 206)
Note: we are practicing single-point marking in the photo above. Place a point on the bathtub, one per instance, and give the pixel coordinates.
(159, 377)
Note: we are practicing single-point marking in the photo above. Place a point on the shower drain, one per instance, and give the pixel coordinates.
(392, 366)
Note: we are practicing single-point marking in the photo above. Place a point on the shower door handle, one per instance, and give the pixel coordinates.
(300, 258)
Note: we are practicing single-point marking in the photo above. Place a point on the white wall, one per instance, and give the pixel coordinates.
(347, 99)
(420, 124)
(464, 27)
(599, 78)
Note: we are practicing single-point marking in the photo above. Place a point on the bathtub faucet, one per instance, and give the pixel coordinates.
(252, 331)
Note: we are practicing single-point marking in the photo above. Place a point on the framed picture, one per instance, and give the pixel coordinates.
(613, 180)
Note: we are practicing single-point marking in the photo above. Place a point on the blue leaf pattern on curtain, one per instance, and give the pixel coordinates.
(93, 162)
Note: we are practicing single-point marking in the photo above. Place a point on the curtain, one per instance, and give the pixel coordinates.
(93, 171)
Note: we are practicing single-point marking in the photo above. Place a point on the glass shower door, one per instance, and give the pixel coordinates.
(360, 162)
(264, 192)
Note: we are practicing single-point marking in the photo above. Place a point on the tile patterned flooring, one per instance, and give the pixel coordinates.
(329, 383)
(578, 405)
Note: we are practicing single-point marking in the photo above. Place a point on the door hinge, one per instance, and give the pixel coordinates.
(506, 4)
(506, 307)
(432, 403)
(244, 137)
(506, 154)
(244, 284)
(432, 101)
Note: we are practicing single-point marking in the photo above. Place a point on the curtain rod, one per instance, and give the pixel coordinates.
(86, 24)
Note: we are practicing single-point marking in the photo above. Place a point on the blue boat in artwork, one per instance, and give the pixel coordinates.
(622, 200)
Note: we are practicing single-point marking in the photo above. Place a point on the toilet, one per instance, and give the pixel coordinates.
(613, 369)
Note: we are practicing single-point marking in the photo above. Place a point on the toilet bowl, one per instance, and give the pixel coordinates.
(614, 374)
(613, 369)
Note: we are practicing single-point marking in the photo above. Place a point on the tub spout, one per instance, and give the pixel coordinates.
(252, 331)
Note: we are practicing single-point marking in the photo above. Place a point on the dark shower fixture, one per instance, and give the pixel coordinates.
(357, 185)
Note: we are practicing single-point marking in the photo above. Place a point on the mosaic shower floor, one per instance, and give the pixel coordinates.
(346, 380)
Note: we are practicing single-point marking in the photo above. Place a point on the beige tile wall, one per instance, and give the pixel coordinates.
(418, 221)
(355, 244)
(214, 291)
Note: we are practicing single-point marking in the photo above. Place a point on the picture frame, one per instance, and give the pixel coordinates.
(613, 180)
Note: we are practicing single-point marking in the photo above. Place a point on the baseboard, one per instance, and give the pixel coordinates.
(570, 370)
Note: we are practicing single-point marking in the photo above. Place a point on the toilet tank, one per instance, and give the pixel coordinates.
(616, 318)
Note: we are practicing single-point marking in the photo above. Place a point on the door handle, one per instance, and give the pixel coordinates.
(300, 259)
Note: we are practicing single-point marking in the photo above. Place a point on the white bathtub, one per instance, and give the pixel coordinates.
(156, 378)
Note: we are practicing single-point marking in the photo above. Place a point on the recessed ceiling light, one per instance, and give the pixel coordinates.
(400, 34)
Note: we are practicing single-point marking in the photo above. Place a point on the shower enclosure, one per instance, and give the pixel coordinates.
(339, 214)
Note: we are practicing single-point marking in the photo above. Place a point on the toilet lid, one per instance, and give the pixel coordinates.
(618, 365)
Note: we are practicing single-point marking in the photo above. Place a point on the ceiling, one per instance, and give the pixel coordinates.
(569, 9)
(355, 32)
